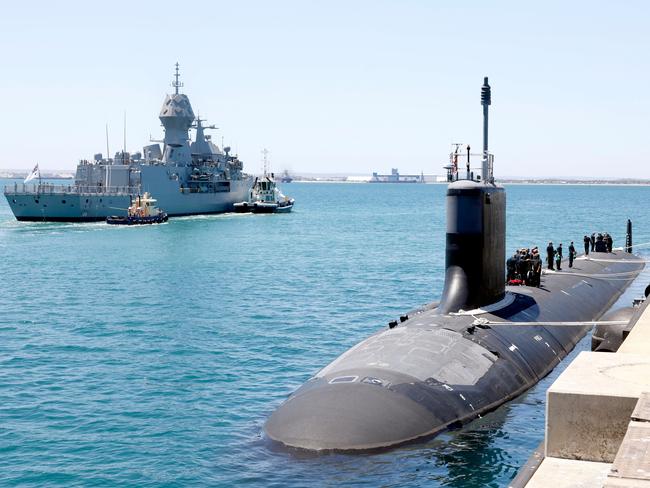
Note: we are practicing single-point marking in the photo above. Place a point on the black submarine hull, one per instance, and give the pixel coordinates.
(484, 344)
(435, 370)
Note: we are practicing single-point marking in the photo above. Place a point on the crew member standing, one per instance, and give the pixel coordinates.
(511, 266)
(610, 242)
(593, 241)
(537, 268)
(587, 242)
(550, 254)
(572, 254)
(558, 257)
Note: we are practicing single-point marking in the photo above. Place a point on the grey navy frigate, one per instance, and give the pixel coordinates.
(186, 177)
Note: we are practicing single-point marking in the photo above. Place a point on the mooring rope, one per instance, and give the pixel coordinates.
(642, 244)
(621, 276)
(481, 321)
(605, 260)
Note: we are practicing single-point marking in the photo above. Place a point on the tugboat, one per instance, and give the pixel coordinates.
(265, 196)
(141, 211)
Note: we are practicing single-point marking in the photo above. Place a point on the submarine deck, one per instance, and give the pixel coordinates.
(433, 371)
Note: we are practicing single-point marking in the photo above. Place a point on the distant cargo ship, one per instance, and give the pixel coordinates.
(286, 177)
(395, 177)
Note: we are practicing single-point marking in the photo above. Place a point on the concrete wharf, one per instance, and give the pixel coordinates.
(597, 431)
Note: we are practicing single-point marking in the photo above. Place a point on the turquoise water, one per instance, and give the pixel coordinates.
(151, 356)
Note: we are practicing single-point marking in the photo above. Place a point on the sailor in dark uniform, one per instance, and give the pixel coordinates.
(537, 267)
(558, 257)
(587, 242)
(550, 254)
(593, 241)
(511, 265)
(609, 242)
(572, 254)
(601, 246)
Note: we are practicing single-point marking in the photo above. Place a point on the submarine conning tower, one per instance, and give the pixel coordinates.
(476, 229)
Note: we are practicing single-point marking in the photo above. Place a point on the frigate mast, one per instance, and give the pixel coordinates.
(177, 84)
(177, 117)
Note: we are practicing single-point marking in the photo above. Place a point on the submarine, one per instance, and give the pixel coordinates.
(449, 362)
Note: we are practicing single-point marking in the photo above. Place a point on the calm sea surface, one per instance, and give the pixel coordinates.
(151, 356)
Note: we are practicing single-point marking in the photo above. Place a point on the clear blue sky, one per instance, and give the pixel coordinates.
(335, 86)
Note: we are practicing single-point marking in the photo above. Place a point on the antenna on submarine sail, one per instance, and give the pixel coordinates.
(486, 101)
(476, 230)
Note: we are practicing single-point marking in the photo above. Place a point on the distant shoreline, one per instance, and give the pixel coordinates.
(541, 181)
(500, 182)
(576, 182)
(547, 182)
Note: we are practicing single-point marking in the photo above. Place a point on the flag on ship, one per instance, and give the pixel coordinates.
(36, 173)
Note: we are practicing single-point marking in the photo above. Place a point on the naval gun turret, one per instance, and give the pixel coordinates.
(444, 365)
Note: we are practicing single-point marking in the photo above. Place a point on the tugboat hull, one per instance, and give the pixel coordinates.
(262, 207)
(284, 208)
(155, 219)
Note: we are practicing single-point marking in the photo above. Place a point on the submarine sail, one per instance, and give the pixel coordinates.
(445, 365)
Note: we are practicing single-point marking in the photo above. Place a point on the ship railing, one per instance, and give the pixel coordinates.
(464, 166)
(50, 189)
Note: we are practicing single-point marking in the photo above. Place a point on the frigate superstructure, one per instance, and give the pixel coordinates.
(186, 177)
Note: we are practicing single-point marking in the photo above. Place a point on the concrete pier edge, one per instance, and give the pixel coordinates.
(597, 431)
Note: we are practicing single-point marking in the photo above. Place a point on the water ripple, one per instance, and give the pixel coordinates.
(152, 356)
